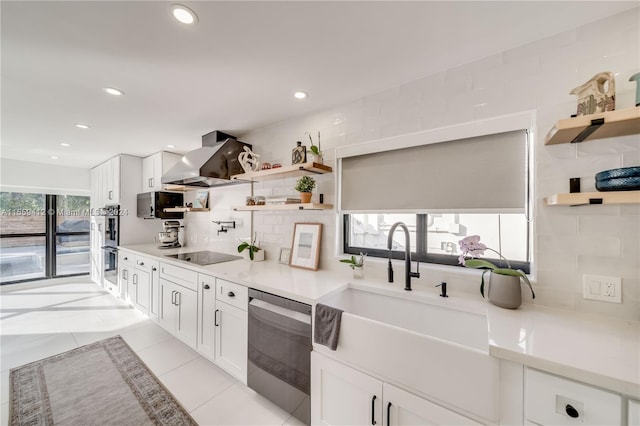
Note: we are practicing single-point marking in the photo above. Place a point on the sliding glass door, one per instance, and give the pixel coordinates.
(43, 236)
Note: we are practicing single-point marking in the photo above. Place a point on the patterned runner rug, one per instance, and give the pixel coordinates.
(104, 383)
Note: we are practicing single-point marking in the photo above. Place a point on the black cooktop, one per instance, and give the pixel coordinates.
(204, 257)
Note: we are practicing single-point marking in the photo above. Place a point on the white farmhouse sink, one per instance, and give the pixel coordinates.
(419, 345)
(454, 326)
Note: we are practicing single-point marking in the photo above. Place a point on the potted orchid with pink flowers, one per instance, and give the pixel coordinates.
(504, 283)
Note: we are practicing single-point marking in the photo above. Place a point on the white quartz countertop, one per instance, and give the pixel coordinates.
(596, 350)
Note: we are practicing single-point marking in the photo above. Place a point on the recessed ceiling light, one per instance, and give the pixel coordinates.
(301, 95)
(171, 146)
(53, 157)
(183, 14)
(113, 91)
(66, 145)
(82, 126)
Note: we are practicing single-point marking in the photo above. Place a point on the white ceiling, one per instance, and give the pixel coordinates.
(236, 70)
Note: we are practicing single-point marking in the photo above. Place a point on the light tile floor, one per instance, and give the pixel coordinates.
(41, 322)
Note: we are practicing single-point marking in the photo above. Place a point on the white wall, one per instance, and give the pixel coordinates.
(25, 176)
(568, 241)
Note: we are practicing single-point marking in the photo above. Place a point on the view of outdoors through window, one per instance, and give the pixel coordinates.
(440, 233)
(24, 231)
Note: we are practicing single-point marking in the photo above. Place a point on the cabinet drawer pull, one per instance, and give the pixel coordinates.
(389, 414)
(206, 286)
(215, 318)
(173, 297)
(135, 279)
(231, 294)
(126, 258)
(178, 297)
(571, 412)
(154, 269)
(373, 410)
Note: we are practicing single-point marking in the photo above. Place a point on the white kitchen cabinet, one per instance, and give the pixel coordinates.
(342, 395)
(144, 286)
(231, 339)
(223, 324)
(404, 408)
(125, 273)
(179, 311)
(553, 400)
(345, 396)
(206, 319)
(154, 166)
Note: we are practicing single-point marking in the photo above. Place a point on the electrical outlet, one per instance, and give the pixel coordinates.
(603, 288)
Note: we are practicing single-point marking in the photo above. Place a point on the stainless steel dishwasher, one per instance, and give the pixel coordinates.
(279, 351)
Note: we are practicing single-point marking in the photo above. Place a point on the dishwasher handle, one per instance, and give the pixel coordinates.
(280, 310)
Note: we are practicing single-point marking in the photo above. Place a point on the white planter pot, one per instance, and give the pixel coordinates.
(257, 256)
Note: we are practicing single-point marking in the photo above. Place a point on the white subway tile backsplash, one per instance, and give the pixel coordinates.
(569, 241)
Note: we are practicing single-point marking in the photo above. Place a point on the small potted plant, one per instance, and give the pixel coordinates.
(256, 254)
(357, 264)
(305, 185)
(315, 150)
(503, 287)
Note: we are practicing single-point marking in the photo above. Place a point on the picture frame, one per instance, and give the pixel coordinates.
(305, 247)
(202, 200)
(285, 255)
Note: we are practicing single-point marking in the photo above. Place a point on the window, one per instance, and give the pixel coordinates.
(474, 183)
(43, 236)
(434, 237)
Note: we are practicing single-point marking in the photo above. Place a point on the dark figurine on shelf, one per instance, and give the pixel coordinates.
(299, 154)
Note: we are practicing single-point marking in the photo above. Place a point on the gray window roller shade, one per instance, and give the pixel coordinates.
(480, 173)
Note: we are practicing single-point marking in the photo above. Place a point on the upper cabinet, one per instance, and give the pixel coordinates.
(154, 166)
(595, 126)
(105, 183)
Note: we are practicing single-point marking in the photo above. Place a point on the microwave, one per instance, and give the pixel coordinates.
(151, 205)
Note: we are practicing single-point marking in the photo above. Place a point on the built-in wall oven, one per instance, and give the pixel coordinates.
(279, 352)
(111, 241)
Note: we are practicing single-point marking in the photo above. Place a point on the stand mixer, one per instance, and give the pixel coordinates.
(169, 238)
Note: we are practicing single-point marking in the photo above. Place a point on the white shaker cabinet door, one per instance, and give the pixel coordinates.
(187, 316)
(403, 408)
(231, 340)
(206, 320)
(342, 395)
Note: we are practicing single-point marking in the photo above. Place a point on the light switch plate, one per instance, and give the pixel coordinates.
(603, 288)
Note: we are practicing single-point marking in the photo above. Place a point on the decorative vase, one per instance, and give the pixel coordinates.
(258, 256)
(318, 158)
(305, 197)
(358, 272)
(504, 291)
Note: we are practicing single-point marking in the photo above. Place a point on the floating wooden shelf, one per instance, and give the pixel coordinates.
(595, 126)
(297, 206)
(185, 209)
(286, 171)
(183, 188)
(586, 198)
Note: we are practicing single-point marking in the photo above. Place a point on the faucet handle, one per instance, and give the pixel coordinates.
(417, 273)
(443, 293)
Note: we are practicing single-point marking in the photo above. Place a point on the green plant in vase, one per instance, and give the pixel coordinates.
(251, 246)
(315, 149)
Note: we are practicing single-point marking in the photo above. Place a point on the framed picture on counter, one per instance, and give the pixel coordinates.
(305, 248)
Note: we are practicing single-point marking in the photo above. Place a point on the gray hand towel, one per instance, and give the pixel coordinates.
(327, 326)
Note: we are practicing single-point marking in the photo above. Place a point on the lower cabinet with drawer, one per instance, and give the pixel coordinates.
(178, 312)
(553, 400)
(222, 335)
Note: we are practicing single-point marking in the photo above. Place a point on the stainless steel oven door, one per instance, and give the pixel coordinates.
(110, 265)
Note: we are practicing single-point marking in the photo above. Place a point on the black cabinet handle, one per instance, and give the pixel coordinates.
(126, 258)
(206, 287)
(389, 414)
(215, 318)
(231, 294)
(373, 410)
(154, 269)
(571, 412)
(141, 264)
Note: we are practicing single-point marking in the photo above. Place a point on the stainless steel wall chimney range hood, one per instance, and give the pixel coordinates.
(211, 165)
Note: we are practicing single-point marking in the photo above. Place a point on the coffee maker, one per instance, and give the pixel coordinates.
(169, 238)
